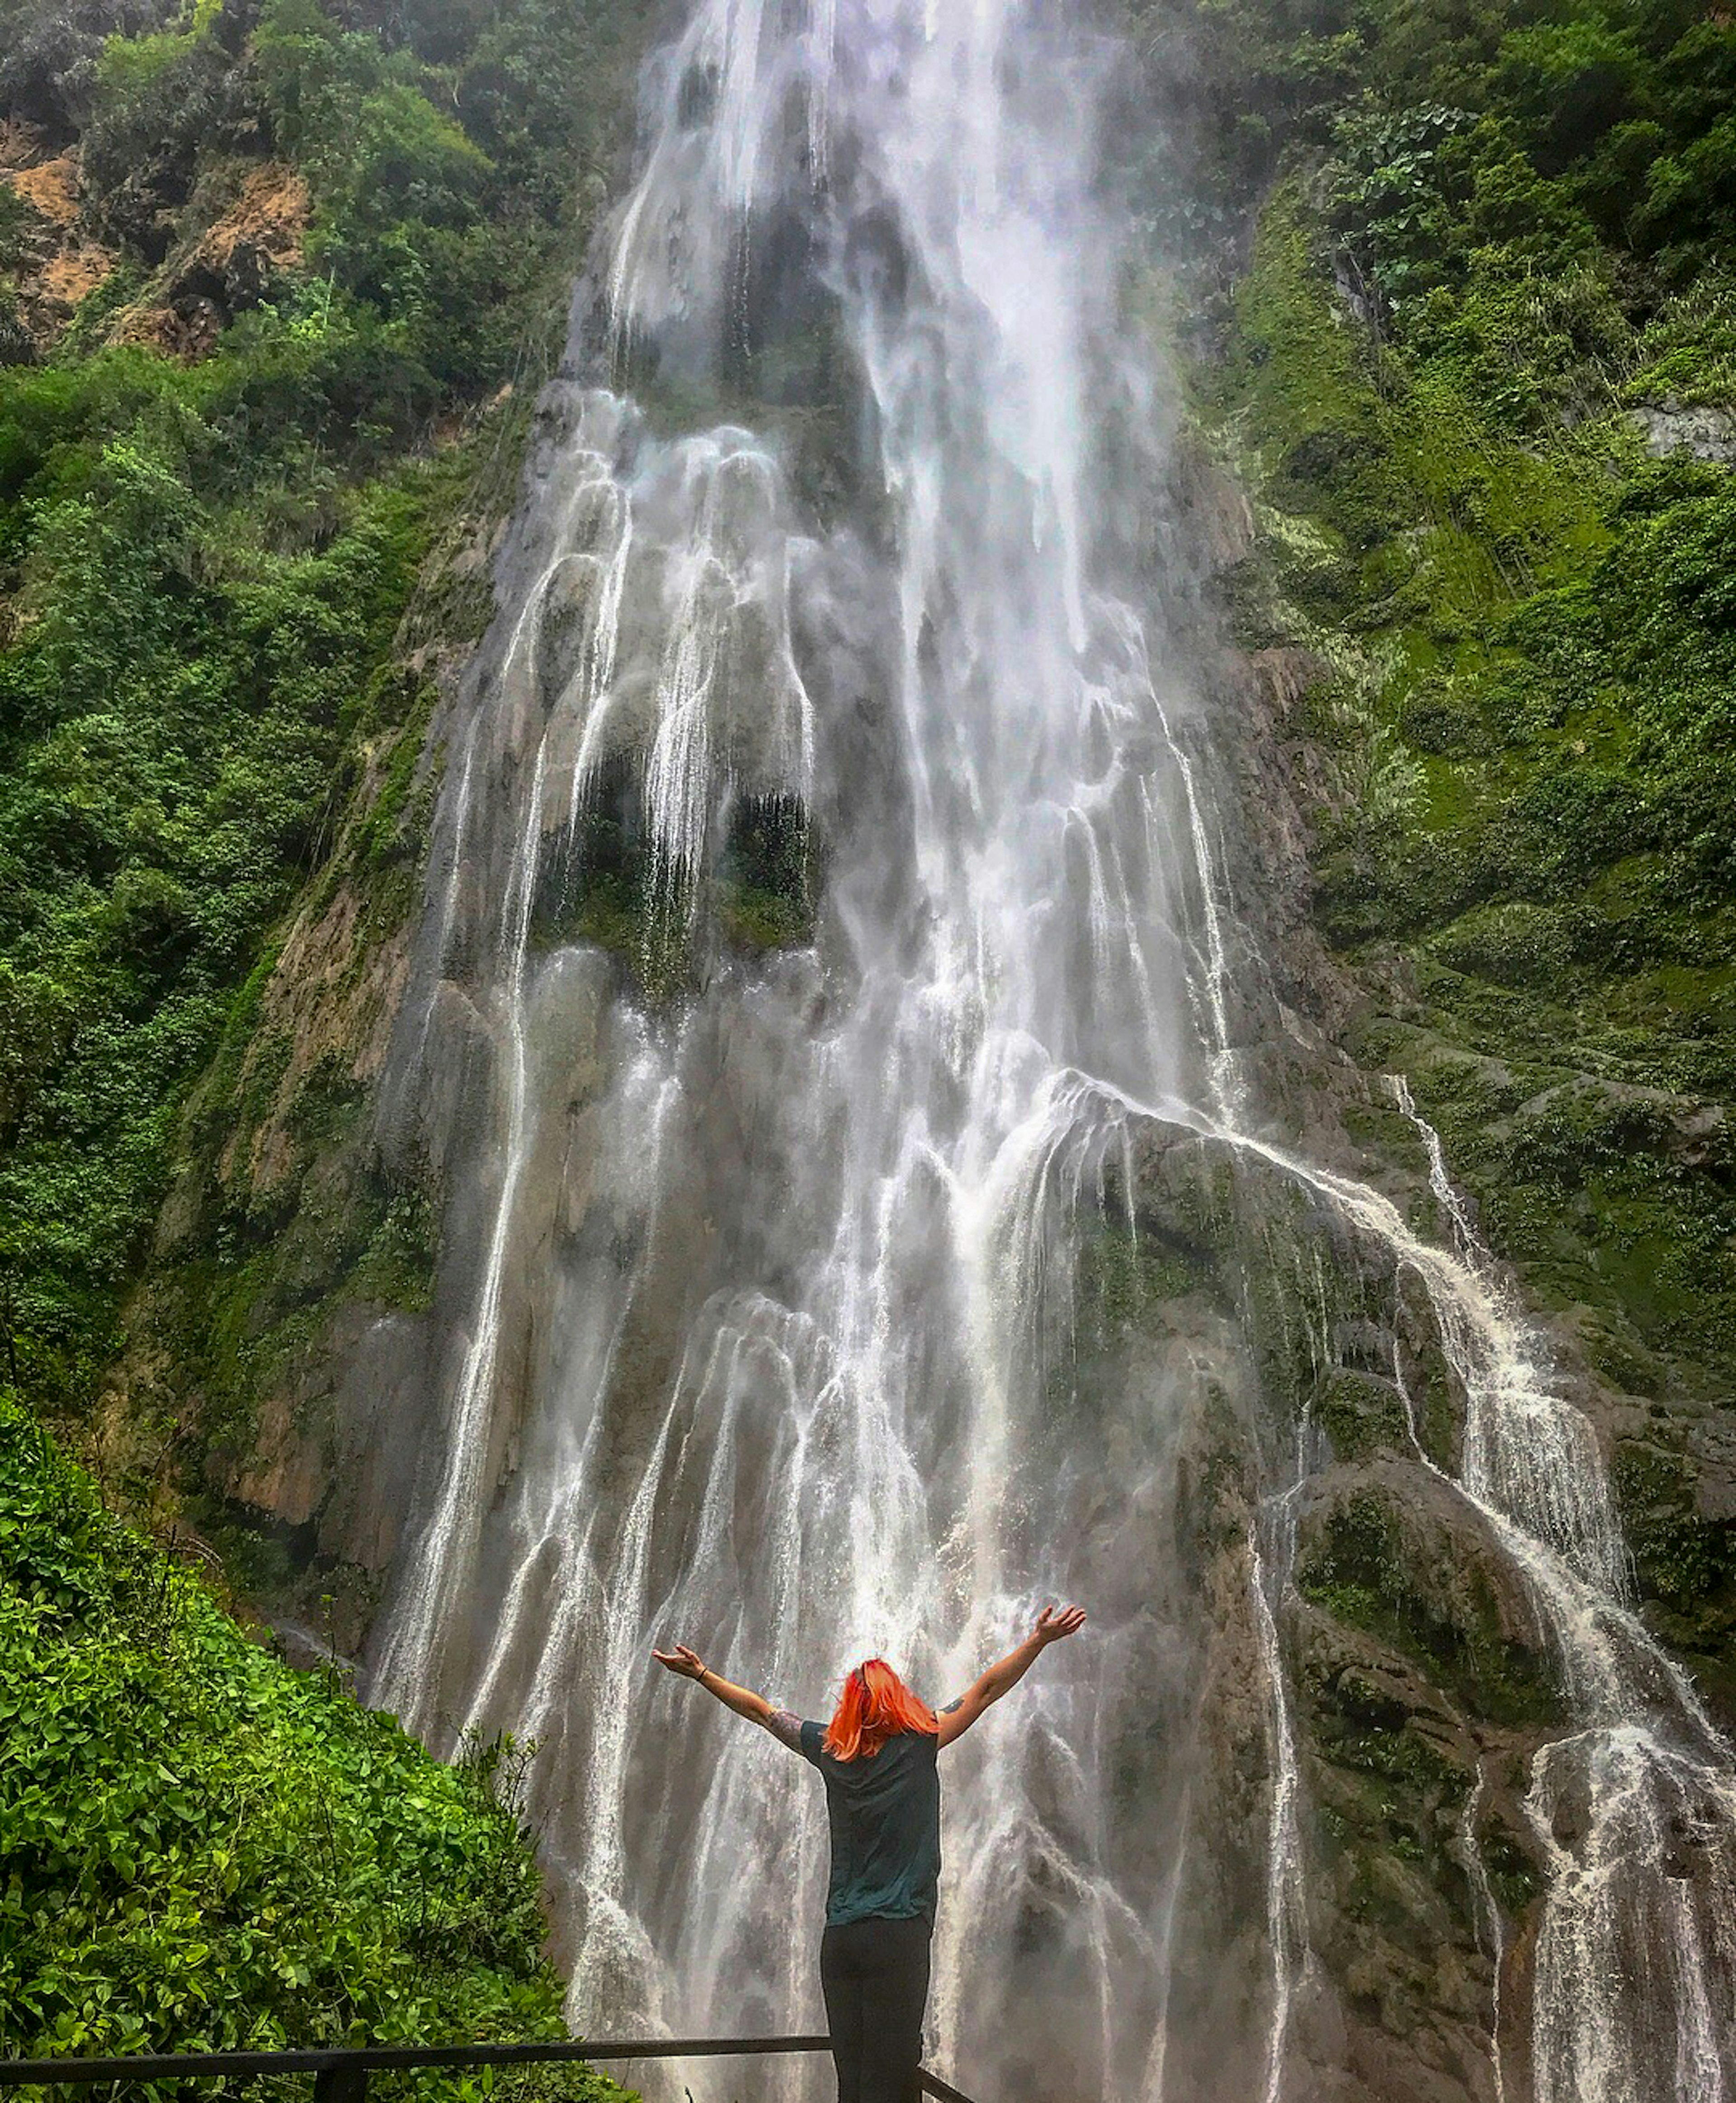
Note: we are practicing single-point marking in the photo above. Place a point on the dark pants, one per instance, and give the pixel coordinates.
(874, 1974)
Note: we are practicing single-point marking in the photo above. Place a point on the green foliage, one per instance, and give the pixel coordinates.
(160, 103)
(175, 717)
(1528, 622)
(765, 895)
(205, 1849)
(1361, 1415)
(205, 571)
(131, 66)
(1680, 1558)
(606, 891)
(1569, 84)
(441, 187)
(1601, 115)
(202, 568)
(400, 192)
(1387, 186)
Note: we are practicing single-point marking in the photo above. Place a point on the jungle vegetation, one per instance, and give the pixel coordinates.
(1463, 323)
(275, 280)
(205, 1849)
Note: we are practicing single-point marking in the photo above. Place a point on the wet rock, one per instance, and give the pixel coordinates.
(1394, 1551)
(1362, 1413)
(336, 1445)
(1411, 1752)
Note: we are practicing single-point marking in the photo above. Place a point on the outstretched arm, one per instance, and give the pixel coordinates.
(685, 1665)
(1052, 1624)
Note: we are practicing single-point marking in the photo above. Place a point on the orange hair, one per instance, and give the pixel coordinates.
(876, 1704)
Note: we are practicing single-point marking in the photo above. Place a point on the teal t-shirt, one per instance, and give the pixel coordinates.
(884, 1814)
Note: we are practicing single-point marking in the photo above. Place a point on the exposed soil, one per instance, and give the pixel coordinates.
(60, 265)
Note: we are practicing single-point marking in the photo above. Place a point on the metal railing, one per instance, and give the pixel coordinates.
(341, 2076)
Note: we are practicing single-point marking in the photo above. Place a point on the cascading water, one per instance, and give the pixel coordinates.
(763, 1280)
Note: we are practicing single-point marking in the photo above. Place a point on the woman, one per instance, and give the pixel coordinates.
(877, 1757)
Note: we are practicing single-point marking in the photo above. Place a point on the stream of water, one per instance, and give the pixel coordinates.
(761, 1283)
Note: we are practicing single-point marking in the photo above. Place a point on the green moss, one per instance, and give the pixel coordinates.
(1361, 1415)
(602, 891)
(1361, 1569)
(1126, 1276)
(395, 829)
(766, 883)
(396, 1268)
(261, 1271)
(1685, 1561)
(1597, 1195)
(756, 920)
(1529, 639)
(326, 1105)
(1514, 1878)
(1413, 1792)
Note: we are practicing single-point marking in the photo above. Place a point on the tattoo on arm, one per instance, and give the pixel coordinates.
(786, 1728)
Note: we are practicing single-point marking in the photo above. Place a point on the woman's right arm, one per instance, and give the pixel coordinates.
(685, 1665)
(1052, 1624)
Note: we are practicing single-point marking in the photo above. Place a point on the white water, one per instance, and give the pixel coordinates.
(766, 1289)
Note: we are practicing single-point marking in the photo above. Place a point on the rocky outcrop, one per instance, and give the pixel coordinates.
(55, 263)
(217, 272)
(232, 265)
(1702, 432)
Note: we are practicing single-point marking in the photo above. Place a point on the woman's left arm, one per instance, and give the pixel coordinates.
(685, 1665)
(1053, 1625)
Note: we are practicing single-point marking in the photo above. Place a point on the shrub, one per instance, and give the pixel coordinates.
(205, 1849)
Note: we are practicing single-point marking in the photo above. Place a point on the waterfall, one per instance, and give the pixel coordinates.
(762, 1262)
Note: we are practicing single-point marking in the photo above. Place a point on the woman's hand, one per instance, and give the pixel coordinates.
(1052, 1624)
(682, 1662)
(1055, 1622)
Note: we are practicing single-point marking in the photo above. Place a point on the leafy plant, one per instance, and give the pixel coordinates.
(205, 1849)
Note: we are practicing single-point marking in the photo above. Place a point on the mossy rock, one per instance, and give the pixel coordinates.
(1126, 1274)
(601, 886)
(767, 876)
(1680, 1558)
(1396, 1559)
(1515, 944)
(1362, 1414)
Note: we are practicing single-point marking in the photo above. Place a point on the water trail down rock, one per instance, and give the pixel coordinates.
(1638, 1813)
(1489, 1928)
(822, 917)
(1285, 1904)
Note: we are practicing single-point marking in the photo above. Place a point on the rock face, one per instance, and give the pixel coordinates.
(59, 261)
(1704, 433)
(1418, 1675)
(219, 272)
(230, 266)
